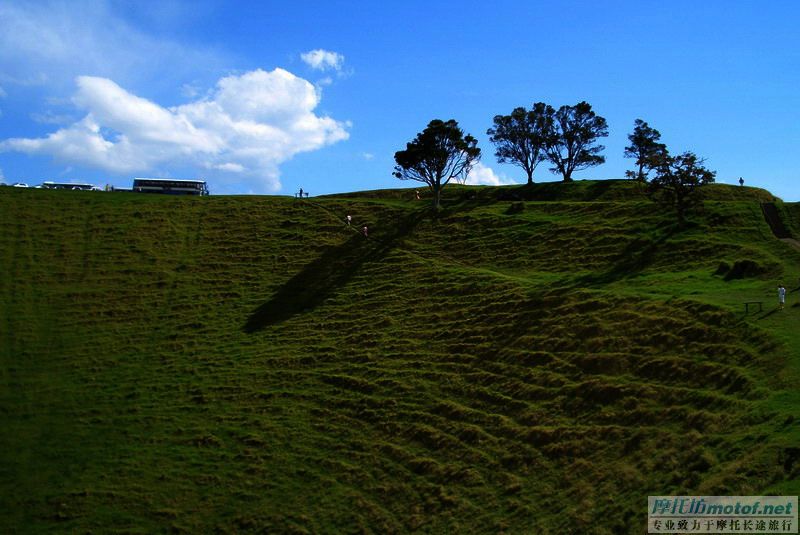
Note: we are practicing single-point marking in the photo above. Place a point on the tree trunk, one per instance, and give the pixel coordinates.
(530, 177)
(437, 189)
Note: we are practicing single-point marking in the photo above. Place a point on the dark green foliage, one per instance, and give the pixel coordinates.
(645, 148)
(438, 154)
(678, 181)
(521, 137)
(572, 141)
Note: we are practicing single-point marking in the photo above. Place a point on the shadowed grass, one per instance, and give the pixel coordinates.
(332, 270)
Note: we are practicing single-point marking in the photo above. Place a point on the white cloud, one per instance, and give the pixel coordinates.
(190, 91)
(48, 117)
(323, 60)
(3, 93)
(50, 41)
(229, 167)
(485, 176)
(367, 156)
(248, 125)
(2, 177)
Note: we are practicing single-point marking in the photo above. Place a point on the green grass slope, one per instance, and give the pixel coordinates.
(530, 359)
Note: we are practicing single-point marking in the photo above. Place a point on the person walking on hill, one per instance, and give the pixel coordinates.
(365, 230)
(781, 296)
(741, 181)
(348, 219)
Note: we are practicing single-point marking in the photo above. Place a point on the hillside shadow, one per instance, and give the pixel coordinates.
(583, 191)
(768, 314)
(597, 190)
(637, 256)
(322, 277)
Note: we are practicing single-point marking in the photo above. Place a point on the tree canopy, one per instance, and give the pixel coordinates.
(438, 154)
(572, 140)
(645, 148)
(677, 181)
(521, 137)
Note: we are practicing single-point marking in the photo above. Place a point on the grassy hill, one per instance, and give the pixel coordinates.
(531, 359)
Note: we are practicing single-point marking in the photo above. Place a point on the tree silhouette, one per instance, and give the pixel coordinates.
(677, 182)
(521, 137)
(645, 148)
(438, 154)
(571, 143)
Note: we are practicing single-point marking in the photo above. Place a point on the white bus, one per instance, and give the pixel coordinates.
(68, 185)
(170, 186)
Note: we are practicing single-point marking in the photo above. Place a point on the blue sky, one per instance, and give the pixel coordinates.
(266, 97)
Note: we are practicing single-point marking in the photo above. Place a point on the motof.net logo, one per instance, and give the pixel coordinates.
(722, 514)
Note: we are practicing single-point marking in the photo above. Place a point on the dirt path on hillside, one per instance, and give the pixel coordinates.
(792, 242)
(775, 223)
(772, 218)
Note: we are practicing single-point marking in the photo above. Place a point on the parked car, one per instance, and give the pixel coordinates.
(19, 185)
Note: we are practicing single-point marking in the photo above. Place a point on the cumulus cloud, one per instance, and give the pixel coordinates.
(485, 176)
(3, 93)
(323, 60)
(247, 126)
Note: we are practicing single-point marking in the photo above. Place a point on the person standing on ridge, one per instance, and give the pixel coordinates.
(741, 181)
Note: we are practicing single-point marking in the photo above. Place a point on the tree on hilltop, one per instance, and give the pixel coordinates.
(572, 140)
(678, 180)
(645, 148)
(521, 137)
(438, 154)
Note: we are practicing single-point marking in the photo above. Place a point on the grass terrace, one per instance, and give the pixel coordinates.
(527, 360)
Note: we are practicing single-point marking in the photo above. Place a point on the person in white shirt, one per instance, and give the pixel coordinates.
(781, 296)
